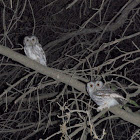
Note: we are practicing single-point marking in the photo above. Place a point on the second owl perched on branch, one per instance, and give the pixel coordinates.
(33, 49)
(104, 97)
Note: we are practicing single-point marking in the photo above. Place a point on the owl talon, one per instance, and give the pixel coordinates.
(99, 109)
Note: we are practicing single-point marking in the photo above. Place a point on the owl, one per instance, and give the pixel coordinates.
(104, 97)
(33, 49)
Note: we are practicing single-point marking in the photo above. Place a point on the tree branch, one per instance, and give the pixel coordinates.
(110, 27)
(58, 75)
(127, 116)
(61, 77)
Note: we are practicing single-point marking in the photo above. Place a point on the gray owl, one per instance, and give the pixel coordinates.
(104, 97)
(33, 49)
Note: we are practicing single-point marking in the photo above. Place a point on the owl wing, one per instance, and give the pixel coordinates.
(40, 54)
(120, 99)
(108, 93)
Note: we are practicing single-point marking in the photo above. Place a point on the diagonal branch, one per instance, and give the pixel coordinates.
(61, 77)
(58, 75)
(127, 116)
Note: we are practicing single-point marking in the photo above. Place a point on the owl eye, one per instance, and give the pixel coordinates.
(27, 39)
(98, 84)
(33, 39)
(91, 85)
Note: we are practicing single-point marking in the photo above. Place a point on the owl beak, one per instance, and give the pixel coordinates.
(31, 44)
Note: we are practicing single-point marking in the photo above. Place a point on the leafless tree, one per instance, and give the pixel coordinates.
(84, 40)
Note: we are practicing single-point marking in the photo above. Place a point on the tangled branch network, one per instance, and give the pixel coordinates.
(44, 91)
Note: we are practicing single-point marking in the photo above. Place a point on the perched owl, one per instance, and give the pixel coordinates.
(33, 49)
(104, 97)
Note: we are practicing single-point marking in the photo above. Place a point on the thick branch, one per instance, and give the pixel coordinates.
(53, 73)
(127, 116)
(59, 76)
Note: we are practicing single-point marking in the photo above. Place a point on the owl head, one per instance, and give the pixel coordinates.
(30, 41)
(94, 86)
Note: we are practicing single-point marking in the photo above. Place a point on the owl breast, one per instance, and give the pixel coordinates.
(31, 53)
(97, 99)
